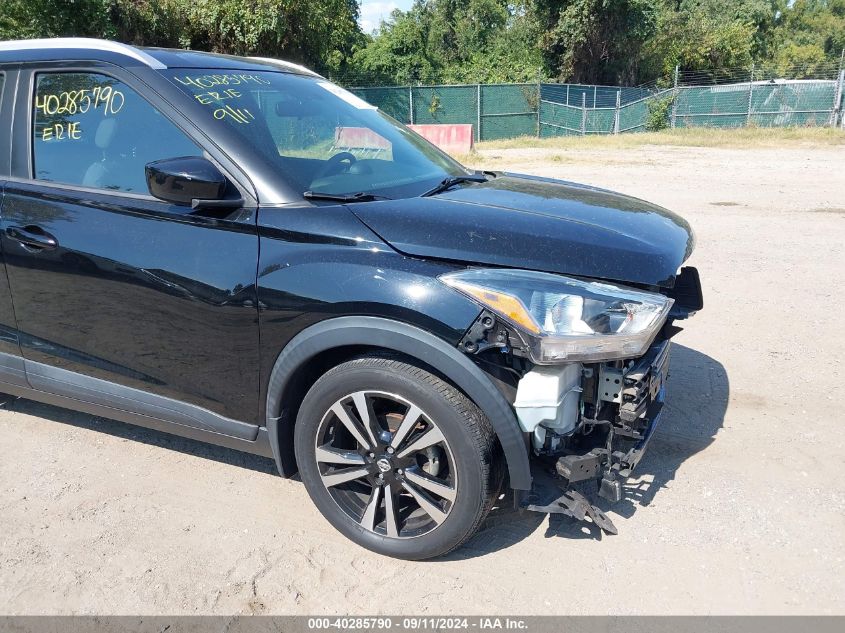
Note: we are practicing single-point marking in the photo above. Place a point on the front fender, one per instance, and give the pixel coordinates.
(411, 341)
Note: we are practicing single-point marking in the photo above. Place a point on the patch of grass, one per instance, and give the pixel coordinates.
(752, 137)
(473, 157)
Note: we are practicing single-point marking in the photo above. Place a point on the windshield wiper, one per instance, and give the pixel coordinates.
(451, 181)
(339, 197)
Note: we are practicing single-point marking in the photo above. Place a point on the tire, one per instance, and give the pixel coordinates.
(420, 481)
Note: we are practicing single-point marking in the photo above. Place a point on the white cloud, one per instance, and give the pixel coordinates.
(372, 13)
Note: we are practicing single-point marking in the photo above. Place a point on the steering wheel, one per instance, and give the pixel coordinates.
(335, 164)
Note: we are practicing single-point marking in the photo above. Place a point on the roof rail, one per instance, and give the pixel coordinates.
(84, 43)
(288, 65)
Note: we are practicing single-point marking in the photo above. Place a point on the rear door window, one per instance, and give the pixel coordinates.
(92, 130)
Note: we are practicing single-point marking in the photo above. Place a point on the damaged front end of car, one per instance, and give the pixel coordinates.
(585, 364)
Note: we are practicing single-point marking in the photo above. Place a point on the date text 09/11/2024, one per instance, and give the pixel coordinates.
(417, 623)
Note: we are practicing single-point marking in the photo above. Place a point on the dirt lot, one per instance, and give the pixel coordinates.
(740, 505)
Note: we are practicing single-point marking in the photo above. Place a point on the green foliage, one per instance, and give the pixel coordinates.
(696, 38)
(400, 53)
(449, 41)
(434, 106)
(55, 18)
(760, 15)
(809, 33)
(320, 34)
(659, 113)
(532, 96)
(595, 41)
(323, 34)
(625, 42)
(151, 22)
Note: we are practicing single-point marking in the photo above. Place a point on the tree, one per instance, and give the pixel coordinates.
(450, 41)
(150, 22)
(55, 18)
(323, 34)
(809, 34)
(595, 41)
(510, 54)
(400, 54)
(467, 41)
(760, 15)
(696, 36)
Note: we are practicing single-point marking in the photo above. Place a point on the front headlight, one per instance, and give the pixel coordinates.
(567, 319)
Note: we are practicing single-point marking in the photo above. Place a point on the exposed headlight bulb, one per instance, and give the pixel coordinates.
(565, 316)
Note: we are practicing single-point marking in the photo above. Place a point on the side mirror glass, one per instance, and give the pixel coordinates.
(185, 180)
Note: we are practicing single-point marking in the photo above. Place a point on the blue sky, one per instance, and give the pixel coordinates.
(373, 11)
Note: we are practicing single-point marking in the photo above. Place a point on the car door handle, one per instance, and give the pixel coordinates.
(33, 237)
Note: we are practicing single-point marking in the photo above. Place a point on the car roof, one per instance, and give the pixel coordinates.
(89, 49)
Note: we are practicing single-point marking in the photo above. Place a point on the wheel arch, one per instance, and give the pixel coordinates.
(335, 340)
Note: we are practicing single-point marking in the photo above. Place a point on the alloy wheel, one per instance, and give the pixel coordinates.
(386, 464)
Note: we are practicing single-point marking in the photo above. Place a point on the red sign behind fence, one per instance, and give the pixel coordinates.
(453, 138)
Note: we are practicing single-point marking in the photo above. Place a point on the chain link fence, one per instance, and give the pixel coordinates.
(719, 98)
(495, 110)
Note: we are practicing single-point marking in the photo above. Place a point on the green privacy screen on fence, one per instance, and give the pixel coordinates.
(445, 104)
(798, 102)
(508, 111)
(498, 111)
(495, 111)
(559, 119)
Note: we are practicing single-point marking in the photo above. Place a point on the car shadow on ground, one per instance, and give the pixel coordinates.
(697, 397)
(145, 436)
(696, 402)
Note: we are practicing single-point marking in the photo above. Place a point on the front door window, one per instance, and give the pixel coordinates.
(92, 130)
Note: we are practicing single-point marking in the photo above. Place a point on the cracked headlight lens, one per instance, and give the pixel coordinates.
(567, 319)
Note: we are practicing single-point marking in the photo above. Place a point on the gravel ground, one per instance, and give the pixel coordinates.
(738, 508)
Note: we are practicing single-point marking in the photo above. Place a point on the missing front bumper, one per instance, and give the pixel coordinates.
(640, 402)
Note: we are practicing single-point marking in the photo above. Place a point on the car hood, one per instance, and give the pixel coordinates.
(538, 224)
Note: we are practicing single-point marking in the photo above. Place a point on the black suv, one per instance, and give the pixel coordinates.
(240, 252)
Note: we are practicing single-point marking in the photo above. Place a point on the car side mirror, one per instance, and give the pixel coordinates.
(188, 180)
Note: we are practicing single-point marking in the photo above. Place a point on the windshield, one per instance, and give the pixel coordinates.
(319, 137)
